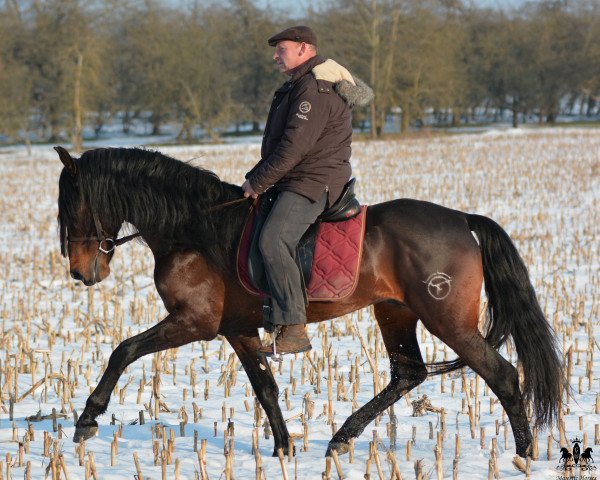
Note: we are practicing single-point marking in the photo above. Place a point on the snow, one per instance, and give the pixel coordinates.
(542, 186)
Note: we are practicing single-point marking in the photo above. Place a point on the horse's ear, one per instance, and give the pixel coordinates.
(67, 160)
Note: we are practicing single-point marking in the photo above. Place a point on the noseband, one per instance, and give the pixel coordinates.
(102, 239)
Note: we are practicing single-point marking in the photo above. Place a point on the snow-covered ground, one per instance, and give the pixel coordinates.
(543, 186)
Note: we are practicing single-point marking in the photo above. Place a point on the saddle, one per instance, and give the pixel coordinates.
(328, 254)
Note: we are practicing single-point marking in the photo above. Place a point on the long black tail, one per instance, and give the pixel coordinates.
(513, 310)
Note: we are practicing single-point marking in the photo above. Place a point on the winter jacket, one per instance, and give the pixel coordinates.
(306, 143)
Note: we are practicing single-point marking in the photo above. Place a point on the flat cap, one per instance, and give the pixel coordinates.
(295, 34)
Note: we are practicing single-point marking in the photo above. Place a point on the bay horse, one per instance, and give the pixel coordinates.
(420, 262)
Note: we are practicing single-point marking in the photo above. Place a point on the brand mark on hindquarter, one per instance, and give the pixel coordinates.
(439, 285)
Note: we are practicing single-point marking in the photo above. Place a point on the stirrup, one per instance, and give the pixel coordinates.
(263, 357)
(274, 356)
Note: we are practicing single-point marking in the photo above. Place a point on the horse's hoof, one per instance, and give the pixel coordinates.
(84, 433)
(339, 447)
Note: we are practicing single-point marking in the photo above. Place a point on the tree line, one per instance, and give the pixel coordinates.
(69, 66)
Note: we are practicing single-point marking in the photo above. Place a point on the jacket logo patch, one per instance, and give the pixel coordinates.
(305, 107)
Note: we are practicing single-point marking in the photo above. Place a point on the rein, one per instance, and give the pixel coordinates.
(226, 204)
(111, 243)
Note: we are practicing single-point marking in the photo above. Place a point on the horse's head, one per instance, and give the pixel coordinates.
(82, 235)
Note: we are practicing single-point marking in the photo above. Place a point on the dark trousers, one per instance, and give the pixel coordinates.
(288, 220)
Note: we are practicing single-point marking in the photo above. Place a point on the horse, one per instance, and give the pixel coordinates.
(587, 455)
(420, 261)
(565, 455)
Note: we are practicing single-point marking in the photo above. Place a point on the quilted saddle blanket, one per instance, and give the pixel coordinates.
(329, 254)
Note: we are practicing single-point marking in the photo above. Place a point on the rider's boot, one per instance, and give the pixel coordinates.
(288, 339)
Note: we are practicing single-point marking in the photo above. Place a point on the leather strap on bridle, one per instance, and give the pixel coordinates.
(101, 236)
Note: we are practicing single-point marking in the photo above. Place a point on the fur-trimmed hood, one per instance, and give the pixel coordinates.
(352, 89)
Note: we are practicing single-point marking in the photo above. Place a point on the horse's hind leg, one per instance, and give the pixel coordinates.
(500, 376)
(398, 330)
(455, 323)
(264, 385)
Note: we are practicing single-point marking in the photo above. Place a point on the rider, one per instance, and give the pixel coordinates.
(305, 156)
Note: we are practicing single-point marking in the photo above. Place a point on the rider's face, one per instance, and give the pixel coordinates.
(288, 55)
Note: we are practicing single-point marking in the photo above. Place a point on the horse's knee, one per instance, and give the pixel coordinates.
(122, 355)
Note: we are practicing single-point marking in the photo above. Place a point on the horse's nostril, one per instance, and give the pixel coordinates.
(76, 275)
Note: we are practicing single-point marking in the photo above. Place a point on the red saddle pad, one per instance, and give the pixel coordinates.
(336, 259)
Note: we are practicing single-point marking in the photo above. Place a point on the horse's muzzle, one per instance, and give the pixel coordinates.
(78, 276)
(75, 275)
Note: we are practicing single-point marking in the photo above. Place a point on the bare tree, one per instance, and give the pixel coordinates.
(70, 65)
(255, 75)
(205, 73)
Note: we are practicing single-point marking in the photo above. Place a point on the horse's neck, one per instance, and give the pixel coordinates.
(218, 207)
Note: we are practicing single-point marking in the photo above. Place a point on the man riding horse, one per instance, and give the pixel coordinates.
(306, 157)
(420, 262)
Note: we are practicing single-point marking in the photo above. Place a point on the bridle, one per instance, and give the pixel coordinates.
(111, 243)
(107, 245)
(102, 239)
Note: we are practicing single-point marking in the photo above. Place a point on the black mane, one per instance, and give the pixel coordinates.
(165, 199)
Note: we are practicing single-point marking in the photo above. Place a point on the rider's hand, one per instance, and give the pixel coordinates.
(248, 190)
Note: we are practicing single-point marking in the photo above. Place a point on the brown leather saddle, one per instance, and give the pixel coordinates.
(345, 208)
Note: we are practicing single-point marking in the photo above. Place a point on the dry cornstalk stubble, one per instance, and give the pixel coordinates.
(190, 412)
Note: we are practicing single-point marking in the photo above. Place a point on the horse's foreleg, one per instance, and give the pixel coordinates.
(264, 386)
(398, 330)
(175, 330)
